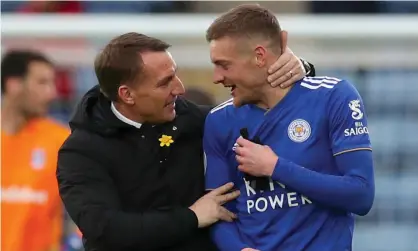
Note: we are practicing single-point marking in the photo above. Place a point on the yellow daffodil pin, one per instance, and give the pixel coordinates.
(166, 140)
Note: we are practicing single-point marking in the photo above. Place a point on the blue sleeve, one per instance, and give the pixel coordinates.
(353, 190)
(224, 234)
(348, 129)
(218, 172)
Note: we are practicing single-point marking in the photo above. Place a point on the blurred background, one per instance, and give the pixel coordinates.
(371, 43)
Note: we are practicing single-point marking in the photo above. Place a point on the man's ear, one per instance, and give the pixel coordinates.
(260, 56)
(14, 85)
(283, 40)
(125, 95)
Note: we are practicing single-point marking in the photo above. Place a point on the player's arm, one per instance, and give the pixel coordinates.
(353, 189)
(224, 234)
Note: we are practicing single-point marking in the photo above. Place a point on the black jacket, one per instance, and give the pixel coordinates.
(126, 192)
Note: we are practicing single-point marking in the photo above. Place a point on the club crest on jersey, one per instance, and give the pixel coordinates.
(38, 159)
(299, 130)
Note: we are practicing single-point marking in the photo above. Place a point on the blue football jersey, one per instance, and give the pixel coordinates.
(319, 119)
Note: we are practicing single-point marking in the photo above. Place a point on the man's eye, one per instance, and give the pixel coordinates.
(223, 67)
(165, 84)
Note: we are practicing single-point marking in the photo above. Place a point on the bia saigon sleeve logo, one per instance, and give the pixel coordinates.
(359, 128)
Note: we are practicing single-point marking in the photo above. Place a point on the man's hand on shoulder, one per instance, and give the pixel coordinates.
(250, 249)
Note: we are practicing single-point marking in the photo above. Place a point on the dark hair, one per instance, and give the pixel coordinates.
(247, 20)
(16, 63)
(120, 61)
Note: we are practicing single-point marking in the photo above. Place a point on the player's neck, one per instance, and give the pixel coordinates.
(12, 120)
(272, 96)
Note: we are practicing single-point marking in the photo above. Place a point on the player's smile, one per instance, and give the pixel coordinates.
(232, 88)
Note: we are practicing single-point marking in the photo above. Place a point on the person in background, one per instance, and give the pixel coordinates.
(32, 211)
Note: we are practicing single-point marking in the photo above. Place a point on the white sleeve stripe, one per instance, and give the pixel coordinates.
(219, 107)
(319, 81)
(227, 101)
(324, 77)
(314, 87)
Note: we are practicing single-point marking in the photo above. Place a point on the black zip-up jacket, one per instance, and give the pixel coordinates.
(126, 192)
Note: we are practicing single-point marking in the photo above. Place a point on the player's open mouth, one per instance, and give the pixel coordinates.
(232, 88)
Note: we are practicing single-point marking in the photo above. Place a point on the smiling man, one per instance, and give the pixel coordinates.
(309, 168)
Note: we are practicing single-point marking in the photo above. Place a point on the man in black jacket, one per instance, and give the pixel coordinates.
(131, 174)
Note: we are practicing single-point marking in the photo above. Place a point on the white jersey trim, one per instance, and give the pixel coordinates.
(205, 162)
(222, 105)
(314, 83)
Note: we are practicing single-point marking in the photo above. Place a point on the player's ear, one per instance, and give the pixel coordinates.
(126, 95)
(260, 56)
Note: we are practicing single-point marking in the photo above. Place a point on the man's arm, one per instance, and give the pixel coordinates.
(224, 234)
(92, 201)
(353, 189)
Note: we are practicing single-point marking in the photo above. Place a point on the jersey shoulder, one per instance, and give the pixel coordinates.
(222, 107)
(221, 112)
(218, 117)
(55, 129)
(320, 84)
(226, 112)
(325, 87)
(225, 117)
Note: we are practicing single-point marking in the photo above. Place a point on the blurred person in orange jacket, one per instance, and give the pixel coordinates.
(32, 212)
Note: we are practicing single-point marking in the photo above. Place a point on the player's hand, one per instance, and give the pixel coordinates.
(287, 69)
(254, 159)
(209, 209)
(250, 249)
